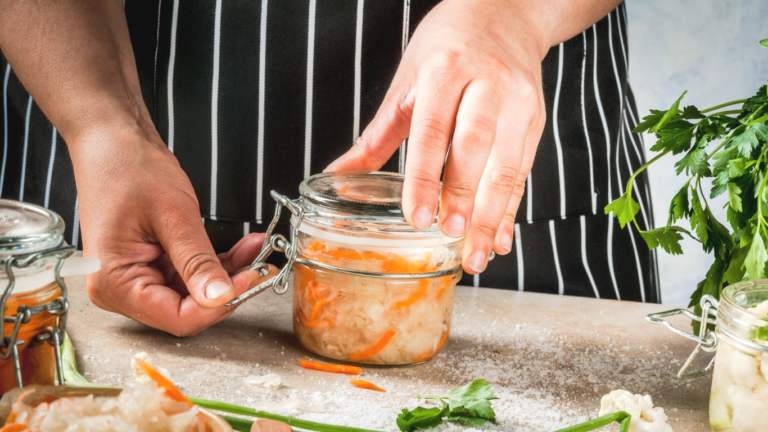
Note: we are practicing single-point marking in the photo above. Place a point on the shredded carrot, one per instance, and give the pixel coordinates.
(373, 350)
(312, 324)
(366, 385)
(164, 383)
(428, 354)
(344, 189)
(413, 298)
(19, 400)
(325, 367)
(14, 427)
(318, 306)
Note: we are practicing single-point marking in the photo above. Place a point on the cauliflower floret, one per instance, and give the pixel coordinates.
(761, 309)
(138, 373)
(645, 418)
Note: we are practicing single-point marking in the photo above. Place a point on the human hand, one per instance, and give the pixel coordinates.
(472, 72)
(141, 218)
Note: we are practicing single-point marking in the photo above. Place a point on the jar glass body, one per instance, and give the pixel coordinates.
(37, 359)
(374, 320)
(739, 397)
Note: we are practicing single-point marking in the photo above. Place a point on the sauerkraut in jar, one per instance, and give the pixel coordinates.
(739, 399)
(368, 288)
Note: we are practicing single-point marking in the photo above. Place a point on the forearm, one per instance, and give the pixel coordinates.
(536, 25)
(75, 59)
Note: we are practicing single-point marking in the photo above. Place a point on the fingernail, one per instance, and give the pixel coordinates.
(476, 261)
(217, 289)
(454, 225)
(422, 217)
(506, 242)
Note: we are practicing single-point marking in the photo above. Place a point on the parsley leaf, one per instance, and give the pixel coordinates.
(624, 207)
(469, 403)
(472, 400)
(420, 418)
(649, 121)
(694, 162)
(733, 196)
(756, 258)
(668, 239)
(679, 207)
(671, 113)
(675, 137)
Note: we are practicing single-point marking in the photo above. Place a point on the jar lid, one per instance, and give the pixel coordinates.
(354, 193)
(26, 228)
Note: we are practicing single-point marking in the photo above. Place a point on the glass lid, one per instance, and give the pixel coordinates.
(373, 194)
(28, 228)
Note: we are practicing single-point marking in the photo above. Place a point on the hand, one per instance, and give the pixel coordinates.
(140, 216)
(472, 72)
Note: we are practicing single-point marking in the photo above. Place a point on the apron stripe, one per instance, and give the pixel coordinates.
(310, 89)
(592, 193)
(24, 154)
(262, 96)
(171, 66)
(558, 145)
(215, 108)
(54, 137)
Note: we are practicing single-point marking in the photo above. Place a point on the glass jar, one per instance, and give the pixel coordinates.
(739, 397)
(367, 287)
(32, 293)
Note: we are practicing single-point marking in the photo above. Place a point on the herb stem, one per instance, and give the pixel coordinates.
(294, 422)
(725, 113)
(716, 107)
(622, 417)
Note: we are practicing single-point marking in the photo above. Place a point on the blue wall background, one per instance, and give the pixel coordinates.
(711, 49)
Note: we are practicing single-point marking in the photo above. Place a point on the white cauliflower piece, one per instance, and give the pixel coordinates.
(761, 309)
(138, 373)
(645, 418)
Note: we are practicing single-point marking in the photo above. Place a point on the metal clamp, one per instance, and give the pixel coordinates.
(58, 307)
(279, 243)
(706, 339)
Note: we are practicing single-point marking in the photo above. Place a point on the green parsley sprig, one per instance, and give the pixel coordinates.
(736, 166)
(469, 403)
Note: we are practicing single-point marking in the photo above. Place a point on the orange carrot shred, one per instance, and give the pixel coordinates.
(14, 427)
(12, 416)
(428, 354)
(164, 383)
(312, 324)
(413, 298)
(373, 350)
(366, 385)
(316, 309)
(325, 367)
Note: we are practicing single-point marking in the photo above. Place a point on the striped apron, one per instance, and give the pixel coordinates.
(253, 96)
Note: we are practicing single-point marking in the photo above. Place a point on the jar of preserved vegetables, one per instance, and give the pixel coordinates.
(368, 288)
(737, 328)
(33, 302)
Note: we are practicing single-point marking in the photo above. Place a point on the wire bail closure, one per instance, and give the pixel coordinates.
(59, 307)
(706, 339)
(277, 242)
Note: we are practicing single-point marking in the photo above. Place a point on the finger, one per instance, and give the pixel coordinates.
(505, 235)
(384, 134)
(243, 253)
(163, 308)
(183, 236)
(433, 118)
(467, 158)
(499, 179)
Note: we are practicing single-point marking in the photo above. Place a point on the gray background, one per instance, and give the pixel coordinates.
(711, 49)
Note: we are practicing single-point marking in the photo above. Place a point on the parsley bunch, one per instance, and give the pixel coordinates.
(470, 403)
(736, 166)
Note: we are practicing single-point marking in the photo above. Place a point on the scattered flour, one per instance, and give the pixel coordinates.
(268, 381)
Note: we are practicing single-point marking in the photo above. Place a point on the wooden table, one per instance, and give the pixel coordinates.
(550, 359)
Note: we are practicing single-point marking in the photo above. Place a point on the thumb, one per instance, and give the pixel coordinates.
(187, 244)
(383, 135)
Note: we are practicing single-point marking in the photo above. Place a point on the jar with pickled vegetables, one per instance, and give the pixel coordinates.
(368, 288)
(739, 336)
(33, 302)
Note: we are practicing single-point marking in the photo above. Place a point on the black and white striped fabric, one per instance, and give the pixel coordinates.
(256, 95)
